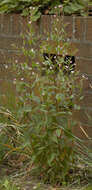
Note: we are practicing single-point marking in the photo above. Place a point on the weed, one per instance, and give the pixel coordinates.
(47, 97)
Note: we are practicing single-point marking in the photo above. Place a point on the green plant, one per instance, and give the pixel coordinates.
(77, 7)
(48, 91)
(44, 7)
(9, 134)
(7, 184)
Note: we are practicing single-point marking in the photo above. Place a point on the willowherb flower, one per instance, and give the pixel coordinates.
(32, 50)
(37, 63)
(29, 68)
(30, 22)
(57, 20)
(68, 39)
(35, 187)
(6, 66)
(72, 72)
(33, 73)
(56, 29)
(22, 79)
(51, 68)
(66, 67)
(44, 63)
(43, 94)
(84, 76)
(14, 81)
(30, 8)
(16, 61)
(60, 6)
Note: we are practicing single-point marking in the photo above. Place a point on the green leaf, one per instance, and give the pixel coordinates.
(36, 17)
(54, 138)
(6, 183)
(58, 132)
(51, 158)
(36, 99)
(88, 188)
(27, 109)
(25, 12)
(76, 107)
